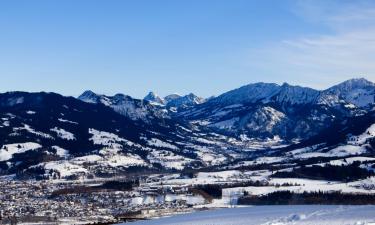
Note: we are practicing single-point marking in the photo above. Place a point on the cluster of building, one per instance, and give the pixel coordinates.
(37, 201)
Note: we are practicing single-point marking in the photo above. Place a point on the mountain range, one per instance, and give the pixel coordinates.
(47, 135)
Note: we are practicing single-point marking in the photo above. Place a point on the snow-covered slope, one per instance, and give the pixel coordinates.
(65, 137)
(290, 112)
(171, 97)
(251, 93)
(353, 137)
(184, 102)
(43, 130)
(154, 98)
(150, 108)
(133, 108)
(268, 92)
(295, 95)
(274, 215)
(358, 92)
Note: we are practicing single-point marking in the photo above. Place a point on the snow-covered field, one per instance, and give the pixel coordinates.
(274, 215)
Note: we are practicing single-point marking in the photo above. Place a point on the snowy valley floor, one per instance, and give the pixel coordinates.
(274, 215)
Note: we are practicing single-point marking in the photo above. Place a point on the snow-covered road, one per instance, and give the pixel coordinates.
(274, 215)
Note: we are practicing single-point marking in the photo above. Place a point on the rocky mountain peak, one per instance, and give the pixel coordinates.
(154, 98)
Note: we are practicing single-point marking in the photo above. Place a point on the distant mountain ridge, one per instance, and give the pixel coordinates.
(47, 134)
(349, 90)
(290, 112)
(135, 109)
(174, 100)
(359, 92)
(260, 110)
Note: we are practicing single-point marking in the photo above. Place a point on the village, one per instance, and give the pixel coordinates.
(47, 201)
(120, 199)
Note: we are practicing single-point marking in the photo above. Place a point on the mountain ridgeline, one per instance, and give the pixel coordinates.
(48, 135)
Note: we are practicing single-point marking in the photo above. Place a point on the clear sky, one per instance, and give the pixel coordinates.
(181, 46)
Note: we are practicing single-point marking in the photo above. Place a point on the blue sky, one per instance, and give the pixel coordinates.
(168, 46)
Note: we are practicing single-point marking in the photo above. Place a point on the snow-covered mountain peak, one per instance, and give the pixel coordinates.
(152, 97)
(268, 92)
(194, 98)
(350, 85)
(359, 92)
(185, 101)
(89, 97)
(134, 109)
(171, 97)
(248, 94)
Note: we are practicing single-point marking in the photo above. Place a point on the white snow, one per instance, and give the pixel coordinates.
(274, 215)
(106, 139)
(361, 139)
(112, 141)
(350, 106)
(6, 123)
(367, 184)
(103, 138)
(63, 134)
(209, 156)
(161, 144)
(340, 151)
(303, 185)
(185, 129)
(360, 97)
(346, 150)
(125, 161)
(32, 131)
(303, 150)
(86, 159)
(66, 121)
(205, 141)
(263, 160)
(248, 94)
(7, 151)
(229, 176)
(82, 165)
(61, 152)
(168, 159)
(267, 119)
(64, 168)
(358, 92)
(350, 160)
